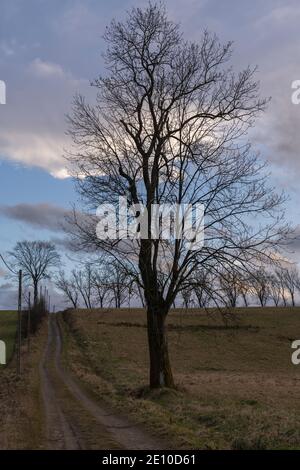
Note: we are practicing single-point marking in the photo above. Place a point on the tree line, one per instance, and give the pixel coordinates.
(104, 284)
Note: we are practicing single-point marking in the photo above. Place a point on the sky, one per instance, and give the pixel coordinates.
(51, 50)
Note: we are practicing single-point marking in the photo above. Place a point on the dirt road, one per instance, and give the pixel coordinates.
(73, 419)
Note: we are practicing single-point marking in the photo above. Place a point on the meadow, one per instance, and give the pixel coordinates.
(236, 385)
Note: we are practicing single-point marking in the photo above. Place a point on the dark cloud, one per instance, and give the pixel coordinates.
(45, 216)
(294, 245)
(62, 242)
(7, 285)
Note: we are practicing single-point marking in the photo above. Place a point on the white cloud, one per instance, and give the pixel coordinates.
(45, 69)
(33, 124)
(36, 149)
(278, 16)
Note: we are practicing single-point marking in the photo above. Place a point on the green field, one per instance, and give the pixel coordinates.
(236, 386)
(8, 325)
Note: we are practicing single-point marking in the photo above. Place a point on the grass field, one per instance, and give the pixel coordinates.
(8, 325)
(237, 387)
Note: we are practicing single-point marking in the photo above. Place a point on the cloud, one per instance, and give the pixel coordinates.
(43, 150)
(64, 243)
(8, 297)
(43, 79)
(44, 216)
(279, 16)
(33, 123)
(45, 69)
(6, 285)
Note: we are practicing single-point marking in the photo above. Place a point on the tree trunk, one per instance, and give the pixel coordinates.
(293, 299)
(35, 293)
(160, 368)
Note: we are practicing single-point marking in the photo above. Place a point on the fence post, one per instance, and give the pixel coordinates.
(28, 322)
(19, 324)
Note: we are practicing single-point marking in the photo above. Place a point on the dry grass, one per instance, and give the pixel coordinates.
(21, 416)
(8, 326)
(237, 387)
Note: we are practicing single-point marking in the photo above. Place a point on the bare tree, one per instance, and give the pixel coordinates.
(187, 296)
(280, 274)
(168, 126)
(291, 281)
(275, 289)
(204, 285)
(119, 283)
(68, 287)
(261, 286)
(83, 281)
(36, 260)
(244, 287)
(230, 285)
(101, 285)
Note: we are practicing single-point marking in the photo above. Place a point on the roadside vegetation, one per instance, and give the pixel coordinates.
(8, 328)
(21, 402)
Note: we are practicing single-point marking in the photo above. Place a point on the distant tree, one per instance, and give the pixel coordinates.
(119, 283)
(168, 125)
(291, 281)
(68, 287)
(36, 259)
(244, 287)
(203, 285)
(275, 289)
(187, 296)
(101, 286)
(229, 281)
(83, 282)
(280, 274)
(261, 285)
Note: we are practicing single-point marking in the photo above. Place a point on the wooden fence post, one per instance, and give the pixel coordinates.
(19, 324)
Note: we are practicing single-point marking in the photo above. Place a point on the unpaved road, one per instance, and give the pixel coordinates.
(73, 419)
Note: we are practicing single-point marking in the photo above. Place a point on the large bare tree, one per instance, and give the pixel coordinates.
(35, 258)
(169, 125)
